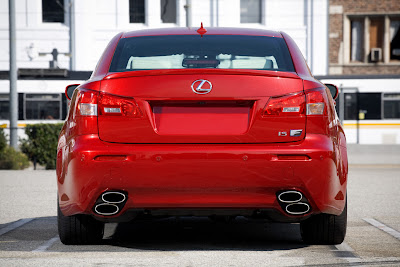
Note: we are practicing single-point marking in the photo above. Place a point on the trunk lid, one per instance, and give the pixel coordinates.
(174, 109)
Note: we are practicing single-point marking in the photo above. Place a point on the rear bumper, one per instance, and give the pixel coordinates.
(200, 176)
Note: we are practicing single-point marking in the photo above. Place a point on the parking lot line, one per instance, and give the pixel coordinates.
(344, 247)
(46, 245)
(13, 226)
(345, 252)
(383, 227)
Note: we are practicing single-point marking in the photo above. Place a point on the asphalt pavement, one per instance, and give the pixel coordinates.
(373, 154)
(28, 229)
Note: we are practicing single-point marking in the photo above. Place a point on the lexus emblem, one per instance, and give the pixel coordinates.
(201, 87)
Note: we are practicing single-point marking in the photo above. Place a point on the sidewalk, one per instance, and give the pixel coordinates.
(373, 154)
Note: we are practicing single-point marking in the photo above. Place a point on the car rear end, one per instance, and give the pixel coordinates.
(202, 125)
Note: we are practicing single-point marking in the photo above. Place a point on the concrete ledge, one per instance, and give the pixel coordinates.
(373, 154)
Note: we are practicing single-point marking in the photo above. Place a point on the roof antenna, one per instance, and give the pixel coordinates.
(201, 30)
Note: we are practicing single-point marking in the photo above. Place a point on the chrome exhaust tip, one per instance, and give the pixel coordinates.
(106, 209)
(290, 196)
(110, 203)
(113, 197)
(297, 208)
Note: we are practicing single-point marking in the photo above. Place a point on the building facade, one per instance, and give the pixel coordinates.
(351, 43)
(364, 61)
(81, 29)
(364, 37)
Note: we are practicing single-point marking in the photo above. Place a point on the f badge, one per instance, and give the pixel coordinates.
(201, 87)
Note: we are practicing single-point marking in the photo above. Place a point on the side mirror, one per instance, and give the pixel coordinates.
(333, 89)
(69, 90)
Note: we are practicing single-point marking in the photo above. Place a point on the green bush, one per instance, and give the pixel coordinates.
(41, 145)
(3, 140)
(13, 160)
(9, 158)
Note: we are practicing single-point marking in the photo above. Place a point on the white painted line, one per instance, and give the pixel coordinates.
(13, 226)
(351, 257)
(344, 247)
(383, 227)
(46, 245)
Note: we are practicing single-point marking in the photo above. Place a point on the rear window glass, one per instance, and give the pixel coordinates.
(194, 51)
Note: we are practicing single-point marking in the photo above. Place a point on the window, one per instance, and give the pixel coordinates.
(35, 106)
(357, 40)
(376, 31)
(136, 11)
(395, 40)
(369, 106)
(4, 107)
(350, 106)
(42, 107)
(369, 44)
(250, 11)
(53, 11)
(168, 11)
(194, 51)
(362, 106)
(391, 104)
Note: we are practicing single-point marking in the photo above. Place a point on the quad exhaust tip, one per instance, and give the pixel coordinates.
(293, 202)
(106, 209)
(110, 203)
(113, 197)
(290, 196)
(297, 208)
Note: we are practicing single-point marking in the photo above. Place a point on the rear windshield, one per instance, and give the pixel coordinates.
(194, 51)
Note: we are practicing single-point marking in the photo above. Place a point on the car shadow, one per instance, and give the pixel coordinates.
(168, 234)
(196, 233)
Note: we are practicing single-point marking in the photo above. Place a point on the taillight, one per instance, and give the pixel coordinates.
(112, 105)
(287, 105)
(87, 102)
(85, 112)
(316, 99)
(312, 102)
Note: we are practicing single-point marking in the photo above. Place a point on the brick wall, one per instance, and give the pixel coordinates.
(355, 6)
(371, 69)
(337, 11)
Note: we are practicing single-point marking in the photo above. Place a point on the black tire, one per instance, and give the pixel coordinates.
(79, 229)
(325, 229)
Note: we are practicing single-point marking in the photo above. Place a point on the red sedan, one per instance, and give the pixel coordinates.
(217, 122)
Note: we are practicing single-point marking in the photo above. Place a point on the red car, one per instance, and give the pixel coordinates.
(218, 122)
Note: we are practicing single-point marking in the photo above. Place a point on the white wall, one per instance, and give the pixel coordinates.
(97, 21)
(367, 85)
(318, 37)
(371, 131)
(31, 30)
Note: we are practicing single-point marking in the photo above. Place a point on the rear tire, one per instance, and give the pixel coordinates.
(325, 229)
(79, 229)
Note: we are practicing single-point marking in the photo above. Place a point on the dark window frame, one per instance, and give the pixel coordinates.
(260, 13)
(384, 98)
(164, 5)
(5, 98)
(137, 8)
(53, 11)
(359, 105)
(58, 99)
(366, 57)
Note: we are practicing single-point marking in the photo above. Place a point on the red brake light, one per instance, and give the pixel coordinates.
(316, 99)
(287, 105)
(84, 116)
(112, 105)
(87, 102)
(313, 102)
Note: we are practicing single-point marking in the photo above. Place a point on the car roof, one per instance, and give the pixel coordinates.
(193, 31)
